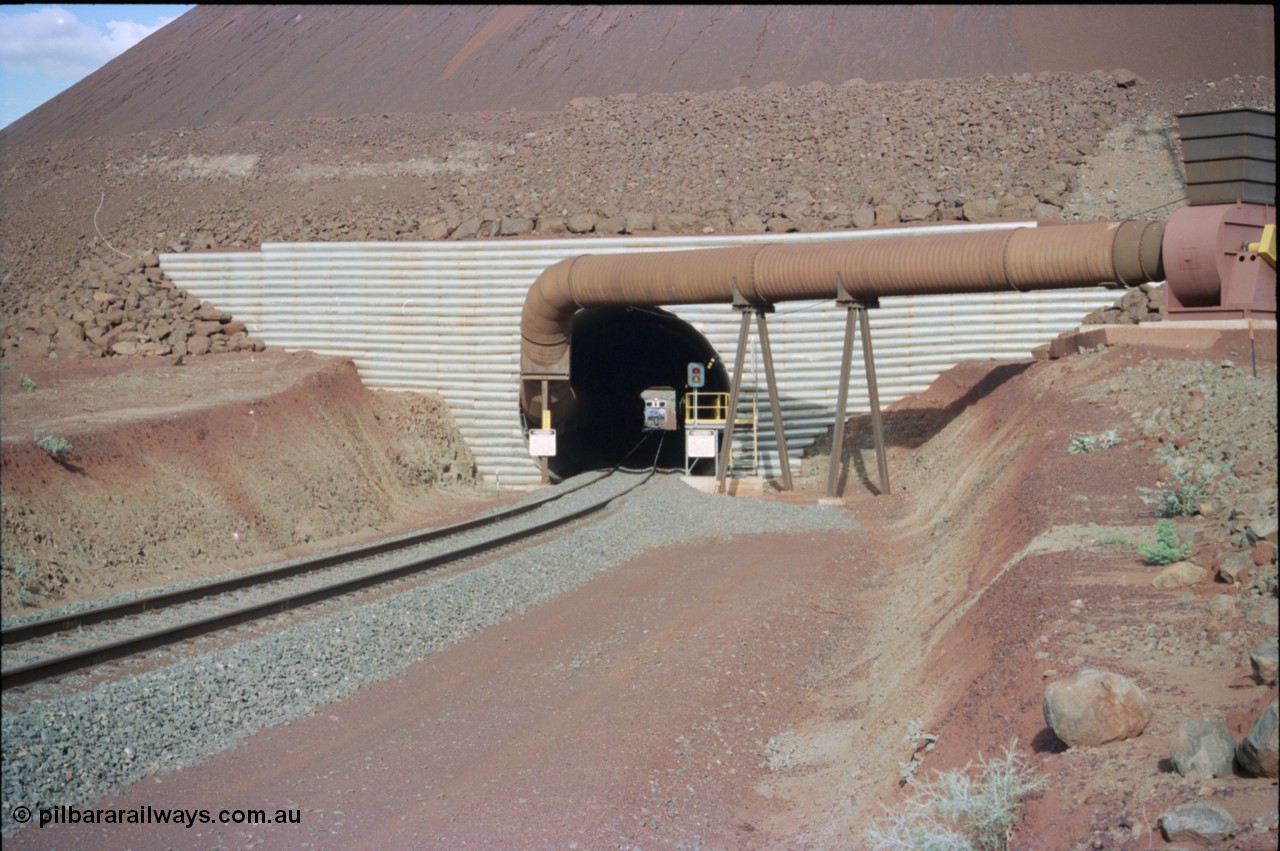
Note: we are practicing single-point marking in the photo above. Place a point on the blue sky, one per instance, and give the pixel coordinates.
(45, 49)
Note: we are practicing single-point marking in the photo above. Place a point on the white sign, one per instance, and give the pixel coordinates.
(542, 442)
(700, 443)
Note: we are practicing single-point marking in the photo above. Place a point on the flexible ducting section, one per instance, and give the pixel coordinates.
(1022, 259)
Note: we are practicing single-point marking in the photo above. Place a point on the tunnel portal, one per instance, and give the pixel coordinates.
(617, 353)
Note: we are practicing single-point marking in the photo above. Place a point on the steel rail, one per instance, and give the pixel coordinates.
(80, 659)
(155, 602)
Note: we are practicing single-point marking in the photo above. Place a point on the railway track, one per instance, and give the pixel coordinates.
(43, 649)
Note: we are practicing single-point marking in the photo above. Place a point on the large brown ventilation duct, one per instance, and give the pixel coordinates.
(1022, 259)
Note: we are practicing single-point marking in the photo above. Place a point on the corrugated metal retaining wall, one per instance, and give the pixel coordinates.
(445, 317)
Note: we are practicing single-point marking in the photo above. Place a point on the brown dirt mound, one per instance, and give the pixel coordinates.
(172, 472)
(234, 64)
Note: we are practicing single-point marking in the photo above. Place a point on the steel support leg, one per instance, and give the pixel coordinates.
(546, 423)
(842, 401)
(775, 405)
(877, 428)
(726, 442)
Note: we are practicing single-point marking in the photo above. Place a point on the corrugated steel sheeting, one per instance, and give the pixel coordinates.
(445, 317)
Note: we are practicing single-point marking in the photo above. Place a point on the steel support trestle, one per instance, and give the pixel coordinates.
(735, 387)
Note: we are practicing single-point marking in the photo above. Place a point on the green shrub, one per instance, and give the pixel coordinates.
(1168, 548)
(26, 383)
(1188, 488)
(25, 571)
(1179, 498)
(1090, 442)
(53, 444)
(959, 811)
(1083, 444)
(24, 566)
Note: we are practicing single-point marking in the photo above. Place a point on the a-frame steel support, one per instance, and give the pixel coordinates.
(735, 386)
(856, 310)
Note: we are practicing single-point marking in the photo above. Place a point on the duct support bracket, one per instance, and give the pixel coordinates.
(747, 309)
(856, 309)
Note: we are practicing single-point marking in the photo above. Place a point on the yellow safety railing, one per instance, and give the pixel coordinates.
(709, 409)
(706, 409)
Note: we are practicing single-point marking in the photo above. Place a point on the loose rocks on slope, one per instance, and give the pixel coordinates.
(814, 158)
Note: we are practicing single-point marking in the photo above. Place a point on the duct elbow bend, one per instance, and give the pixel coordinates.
(545, 322)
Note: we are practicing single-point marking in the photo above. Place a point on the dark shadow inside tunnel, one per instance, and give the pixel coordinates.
(615, 354)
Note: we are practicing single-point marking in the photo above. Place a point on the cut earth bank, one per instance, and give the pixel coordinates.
(1000, 563)
(174, 471)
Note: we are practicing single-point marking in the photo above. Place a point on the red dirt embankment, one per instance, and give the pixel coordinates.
(175, 471)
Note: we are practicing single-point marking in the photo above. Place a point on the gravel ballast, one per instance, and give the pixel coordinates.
(67, 749)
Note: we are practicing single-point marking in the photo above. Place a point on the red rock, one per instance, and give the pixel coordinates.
(1264, 552)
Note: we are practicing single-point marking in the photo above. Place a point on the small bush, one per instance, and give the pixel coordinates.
(959, 811)
(24, 566)
(1179, 498)
(1182, 496)
(1168, 548)
(25, 571)
(26, 383)
(53, 444)
(1091, 442)
(1082, 445)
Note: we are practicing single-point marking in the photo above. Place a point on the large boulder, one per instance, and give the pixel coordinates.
(1258, 754)
(581, 223)
(1179, 575)
(1203, 746)
(1265, 660)
(637, 222)
(1095, 707)
(1234, 566)
(1199, 822)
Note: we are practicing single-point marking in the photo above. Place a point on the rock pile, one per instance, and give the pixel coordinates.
(1194, 412)
(1209, 423)
(1144, 303)
(772, 160)
(129, 307)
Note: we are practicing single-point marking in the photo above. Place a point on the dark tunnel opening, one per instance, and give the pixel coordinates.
(615, 354)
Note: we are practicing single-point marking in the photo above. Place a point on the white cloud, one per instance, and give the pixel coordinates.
(51, 40)
(125, 34)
